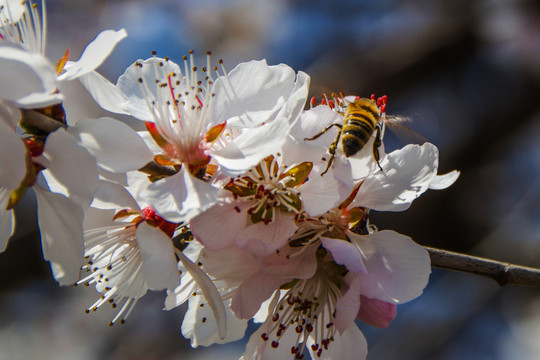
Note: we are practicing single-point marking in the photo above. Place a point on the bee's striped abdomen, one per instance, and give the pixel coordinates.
(360, 120)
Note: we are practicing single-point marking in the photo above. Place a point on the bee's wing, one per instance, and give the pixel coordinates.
(397, 123)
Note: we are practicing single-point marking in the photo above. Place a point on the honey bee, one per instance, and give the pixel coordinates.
(361, 118)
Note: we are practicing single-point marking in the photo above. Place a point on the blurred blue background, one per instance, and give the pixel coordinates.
(467, 72)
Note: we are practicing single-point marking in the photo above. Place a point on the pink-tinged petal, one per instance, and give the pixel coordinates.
(348, 305)
(291, 263)
(218, 227)
(443, 181)
(407, 174)
(249, 296)
(105, 93)
(199, 325)
(60, 223)
(249, 148)
(320, 193)
(12, 158)
(210, 293)
(263, 239)
(113, 196)
(116, 146)
(93, 56)
(346, 253)
(71, 166)
(26, 77)
(7, 220)
(158, 260)
(252, 93)
(180, 197)
(128, 84)
(351, 345)
(231, 264)
(397, 268)
(375, 312)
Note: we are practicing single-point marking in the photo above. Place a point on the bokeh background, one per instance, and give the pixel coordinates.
(467, 72)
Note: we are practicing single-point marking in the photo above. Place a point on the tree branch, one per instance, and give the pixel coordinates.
(503, 273)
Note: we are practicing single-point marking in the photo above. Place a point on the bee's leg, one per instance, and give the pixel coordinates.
(332, 151)
(322, 132)
(376, 145)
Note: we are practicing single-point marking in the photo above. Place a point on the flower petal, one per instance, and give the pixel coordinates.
(105, 93)
(252, 93)
(210, 293)
(407, 173)
(351, 345)
(179, 197)
(219, 226)
(200, 326)
(375, 312)
(26, 76)
(93, 56)
(7, 220)
(116, 147)
(113, 196)
(443, 181)
(397, 268)
(12, 159)
(348, 305)
(71, 166)
(249, 296)
(346, 253)
(159, 263)
(264, 239)
(60, 224)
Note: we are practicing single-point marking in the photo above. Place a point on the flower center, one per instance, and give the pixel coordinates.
(308, 308)
(268, 189)
(181, 106)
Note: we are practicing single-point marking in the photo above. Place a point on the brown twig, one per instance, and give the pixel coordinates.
(503, 273)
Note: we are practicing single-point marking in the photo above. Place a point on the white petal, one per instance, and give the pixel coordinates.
(113, 196)
(116, 147)
(200, 326)
(93, 56)
(159, 263)
(351, 345)
(180, 197)
(397, 268)
(253, 145)
(105, 93)
(71, 166)
(210, 293)
(320, 193)
(129, 85)
(7, 220)
(12, 158)
(443, 181)
(219, 226)
(253, 91)
(257, 349)
(24, 73)
(60, 224)
(407, 174)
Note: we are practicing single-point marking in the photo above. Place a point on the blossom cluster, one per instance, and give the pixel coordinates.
(226, 200)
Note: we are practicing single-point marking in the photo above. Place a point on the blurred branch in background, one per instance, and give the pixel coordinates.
(503, 273)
